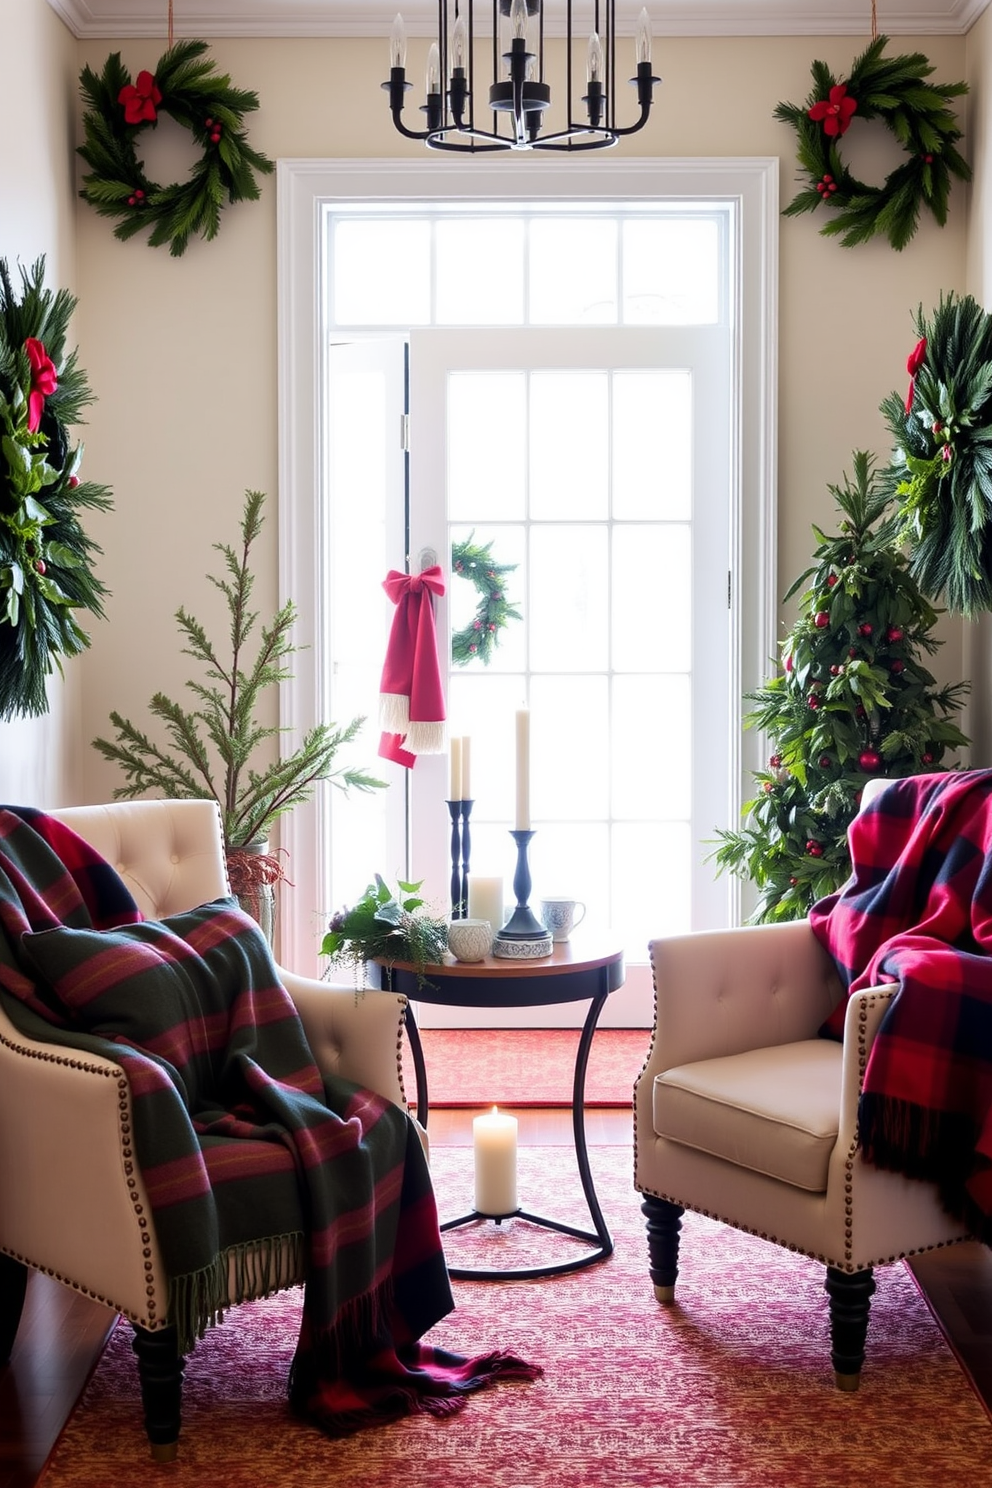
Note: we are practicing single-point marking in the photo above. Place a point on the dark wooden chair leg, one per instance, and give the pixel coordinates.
(664, 1221)
(13, 1285)
(850, 1294)
(160, 1370)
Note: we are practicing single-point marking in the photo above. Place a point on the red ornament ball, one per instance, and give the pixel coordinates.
(831, 580)
(865, 628)
(824, 762)
(821, 620)
(869, 760)
(893, 634)
(897, 666)
(813, 701)
(774, 761)
(814, 848)
(926, 759)
(40, 565)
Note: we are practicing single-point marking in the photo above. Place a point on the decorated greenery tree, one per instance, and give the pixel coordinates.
(852, 700)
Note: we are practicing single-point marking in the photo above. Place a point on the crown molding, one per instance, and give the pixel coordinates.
(121, 19)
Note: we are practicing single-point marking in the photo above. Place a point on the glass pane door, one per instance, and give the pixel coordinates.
(594, 465)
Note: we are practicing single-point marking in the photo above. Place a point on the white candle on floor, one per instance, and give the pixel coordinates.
(485, 900)
(494, 1137)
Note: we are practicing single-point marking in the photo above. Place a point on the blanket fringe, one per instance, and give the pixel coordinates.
(199, 1300)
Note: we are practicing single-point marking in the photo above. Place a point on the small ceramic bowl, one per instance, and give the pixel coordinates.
(470, 940)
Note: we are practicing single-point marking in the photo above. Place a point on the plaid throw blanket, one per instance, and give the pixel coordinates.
(248, 1154)
(917, 910)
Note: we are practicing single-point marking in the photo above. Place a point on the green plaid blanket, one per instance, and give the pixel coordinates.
(244, 1147)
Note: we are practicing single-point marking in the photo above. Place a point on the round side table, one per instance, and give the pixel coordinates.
(576, 971)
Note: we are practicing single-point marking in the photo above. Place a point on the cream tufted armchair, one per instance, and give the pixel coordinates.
(744, 1114)
(72, 1201)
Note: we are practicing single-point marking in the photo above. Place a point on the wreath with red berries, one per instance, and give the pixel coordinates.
(895, 90)
(188, 88)
(477, 640)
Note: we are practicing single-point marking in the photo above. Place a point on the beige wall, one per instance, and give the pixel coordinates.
(182, 353)
(38, 757)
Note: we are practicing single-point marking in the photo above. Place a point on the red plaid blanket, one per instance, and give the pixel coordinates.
(244, 1147)
(917, 910)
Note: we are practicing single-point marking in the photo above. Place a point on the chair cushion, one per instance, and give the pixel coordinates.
(772, 1110)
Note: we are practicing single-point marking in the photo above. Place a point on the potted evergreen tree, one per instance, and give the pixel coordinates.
(214, 746)
(852, 700)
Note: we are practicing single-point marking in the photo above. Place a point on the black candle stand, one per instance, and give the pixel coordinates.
(461, 851)
(523, 936)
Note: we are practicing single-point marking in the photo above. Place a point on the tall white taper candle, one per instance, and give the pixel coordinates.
(522, 817)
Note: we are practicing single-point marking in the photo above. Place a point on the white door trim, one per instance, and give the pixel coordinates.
(306, 189)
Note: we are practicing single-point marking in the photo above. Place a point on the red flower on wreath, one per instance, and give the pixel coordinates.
(140, 99)
(834, 111)
(44, 381)
(913, 364)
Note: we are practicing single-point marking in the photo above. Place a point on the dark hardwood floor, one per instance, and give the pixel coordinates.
(62, 1334)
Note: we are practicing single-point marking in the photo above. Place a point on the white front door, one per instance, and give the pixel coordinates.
(598, 462)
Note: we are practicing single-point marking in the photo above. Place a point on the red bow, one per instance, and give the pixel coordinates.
(913, 364)
(139, 99)
(397, 584)
(44, 381)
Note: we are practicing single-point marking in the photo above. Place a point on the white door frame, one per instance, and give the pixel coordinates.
(306, 190)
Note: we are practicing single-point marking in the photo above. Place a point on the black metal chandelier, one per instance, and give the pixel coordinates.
(519, 95)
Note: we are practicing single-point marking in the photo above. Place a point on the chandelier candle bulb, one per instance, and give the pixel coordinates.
(494, 1138)
(522, 817)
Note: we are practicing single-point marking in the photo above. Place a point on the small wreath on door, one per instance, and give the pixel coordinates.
(477, 640)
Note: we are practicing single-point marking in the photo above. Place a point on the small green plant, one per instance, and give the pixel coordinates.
(213, 744)
(385, 926)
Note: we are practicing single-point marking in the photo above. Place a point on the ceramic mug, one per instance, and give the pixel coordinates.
(561, 916)
(470, 940)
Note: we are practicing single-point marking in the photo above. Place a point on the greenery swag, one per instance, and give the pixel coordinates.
(477, 640)
(45, 556)
(852, 700)
(895, 90)
(186, 86)
(941, 469)
(214, 744)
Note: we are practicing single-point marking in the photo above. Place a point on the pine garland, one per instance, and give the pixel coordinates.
(895, 90)
(852, 701)
(188, 87)
(45, 556)
(941, 469)
(477, 640)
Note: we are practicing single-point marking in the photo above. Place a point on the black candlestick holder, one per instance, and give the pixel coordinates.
(461, 852)
(523, 936)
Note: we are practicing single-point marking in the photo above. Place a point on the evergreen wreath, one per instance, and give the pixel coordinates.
(186, 86)
(895, 90)
(477, 640)
(941, 469)
(45, 556)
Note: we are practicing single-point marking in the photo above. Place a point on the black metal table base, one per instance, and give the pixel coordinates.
(599, 1238)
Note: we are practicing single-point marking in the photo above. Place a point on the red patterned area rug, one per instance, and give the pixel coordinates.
(730, 1388)
(526, 1066)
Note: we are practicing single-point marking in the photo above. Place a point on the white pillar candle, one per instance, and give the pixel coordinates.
(522, 817)
(485, 900)
(455, 787)
(466, 794)
(494, 1137)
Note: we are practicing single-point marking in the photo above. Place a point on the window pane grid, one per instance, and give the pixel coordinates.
(636, 267)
